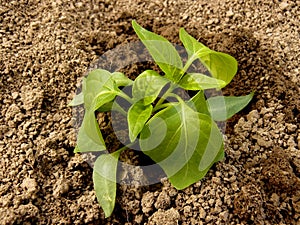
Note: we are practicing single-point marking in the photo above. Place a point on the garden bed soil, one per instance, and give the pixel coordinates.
(47, 47)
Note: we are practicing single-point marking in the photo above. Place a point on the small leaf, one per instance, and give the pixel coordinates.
(97, 81)
(192, 46)
(162, 51)
(198, 103)
(221, 66)
(224, 107)
(198, 81)
(89, 137)
(77, 100)
(104, 178)
(147, 86)
(138, 114)
(103, 97)
(183, 142)
(121, 79)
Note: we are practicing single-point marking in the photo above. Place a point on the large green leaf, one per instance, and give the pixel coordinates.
(162, 51)
(147, 86)
(224, 107)
(104, 178)
(137, 116)
(198, 81)
(89, 137)
(221, 66)
(183, 142)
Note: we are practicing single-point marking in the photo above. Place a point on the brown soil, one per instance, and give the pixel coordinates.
(46, 48)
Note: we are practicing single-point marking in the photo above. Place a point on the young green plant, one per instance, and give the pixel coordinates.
(180, 135)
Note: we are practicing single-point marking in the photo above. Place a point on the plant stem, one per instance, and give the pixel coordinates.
(124, 148)
(165, 95)
(177, 97)
(197, 55)
(125, 96)
(156, 108)
(188, 64)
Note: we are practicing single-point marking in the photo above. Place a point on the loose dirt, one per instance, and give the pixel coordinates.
(47, 47)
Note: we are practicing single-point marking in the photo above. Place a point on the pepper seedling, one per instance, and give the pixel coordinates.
(181, 135)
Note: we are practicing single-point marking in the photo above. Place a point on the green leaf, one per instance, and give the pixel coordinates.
(224, 107)
(183, 142)
(104, 178)
(162, 51)
(76, 149)
(198, 81)
(97, 81)
(192, 46)
(221, 66)
(138, 114)
(106, 107)
(147, 86)
(84, 85)
(103, 97)
(89, 137)
(77, 100)
(121, 79)
(198, 103)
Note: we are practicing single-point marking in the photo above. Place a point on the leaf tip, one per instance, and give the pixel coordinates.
(76, 149)
(132, 137)
(135, 25)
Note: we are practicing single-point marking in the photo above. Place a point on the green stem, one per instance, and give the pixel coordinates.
(125, 147)
(188, 64)
(195, 56)
(156, 108)
(125, 96)
(165, 95)
(177, 97)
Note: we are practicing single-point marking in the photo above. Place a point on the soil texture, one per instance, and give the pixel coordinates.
(46, 47)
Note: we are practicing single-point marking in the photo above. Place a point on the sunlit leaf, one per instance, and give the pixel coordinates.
(104, 178)
(103, 97)
(221, 66)
(121, 79)
(198, 81)
(96, 82)
(77, 100)
(138, 114)
(161, 50)
(89, 137)
(192, 46)
(147, 86)
(183, 142)
(224, 107)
